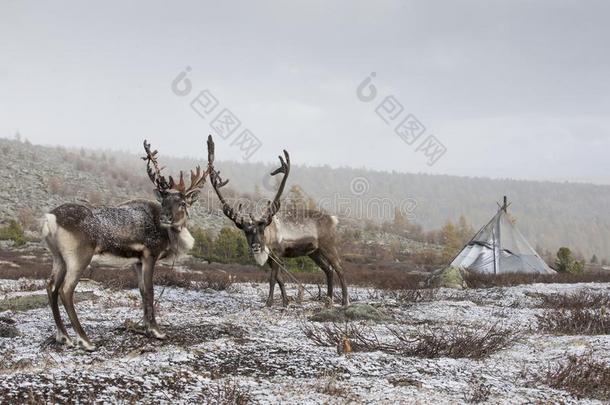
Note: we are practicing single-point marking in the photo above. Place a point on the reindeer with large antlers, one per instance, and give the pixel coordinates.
(294, 233)
(141, 229)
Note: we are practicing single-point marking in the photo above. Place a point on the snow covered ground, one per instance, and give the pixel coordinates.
(227, 346)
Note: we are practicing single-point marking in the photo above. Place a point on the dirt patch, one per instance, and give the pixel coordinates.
(130, 339)
(251, 359)
(34, 301)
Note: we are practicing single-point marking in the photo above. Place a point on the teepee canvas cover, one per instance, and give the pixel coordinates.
(500, 248)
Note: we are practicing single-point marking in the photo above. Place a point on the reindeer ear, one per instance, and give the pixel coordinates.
(192, 196)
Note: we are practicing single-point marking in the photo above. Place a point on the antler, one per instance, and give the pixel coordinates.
(197, 181)
(274, 206)
(217, 184)
(154, 172)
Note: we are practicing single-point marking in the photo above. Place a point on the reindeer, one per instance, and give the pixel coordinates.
(295, 233)
(142, 229)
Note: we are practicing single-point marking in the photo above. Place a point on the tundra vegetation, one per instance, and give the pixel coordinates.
(520, 338)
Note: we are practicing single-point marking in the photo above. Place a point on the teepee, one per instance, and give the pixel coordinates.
(500, 248)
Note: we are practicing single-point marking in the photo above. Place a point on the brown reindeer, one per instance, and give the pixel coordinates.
(293, 233)
(141, 229)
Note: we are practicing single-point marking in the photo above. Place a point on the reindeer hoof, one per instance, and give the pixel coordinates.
(157, 334)
(269, 303)
(86, 345)
(63, 339)
(285, 304)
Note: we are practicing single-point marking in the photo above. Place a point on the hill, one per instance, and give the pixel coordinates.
(550, 215)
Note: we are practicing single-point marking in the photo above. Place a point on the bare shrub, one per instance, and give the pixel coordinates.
(95, 198)
(477, 391)
(229, 393)
(475, 280)
(125, 279)
(580, 300)
(333, 389)
(169, 278)
(361, 338)
(27, 218)
(457, 342)
(58, 186)
(575, 322)
(84, 165)
(213, 281)
(582, 376)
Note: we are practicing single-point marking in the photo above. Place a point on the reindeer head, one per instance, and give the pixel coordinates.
(253, 228)
(175, 198)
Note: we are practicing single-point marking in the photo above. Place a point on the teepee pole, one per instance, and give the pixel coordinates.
(493, 238)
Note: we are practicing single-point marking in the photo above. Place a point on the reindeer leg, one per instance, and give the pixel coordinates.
(280, 282)
(75, 266)
(333, 259)
(325, 266)
(53, 286)
(149, 299)
(140, 277)
(272, 280)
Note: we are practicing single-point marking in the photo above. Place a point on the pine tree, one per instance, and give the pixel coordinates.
(450, 239)
(204, 244)
(566, 263)
(464, 230)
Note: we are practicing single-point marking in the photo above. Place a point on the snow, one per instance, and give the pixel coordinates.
(230, 337)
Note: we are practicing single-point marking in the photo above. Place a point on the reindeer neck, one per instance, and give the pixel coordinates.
(180, 240)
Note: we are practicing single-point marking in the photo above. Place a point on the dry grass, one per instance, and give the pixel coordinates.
(581, 376)
(361, 338)
(456, 342)
(477, 391)
(581, 300)
(474, 280)
(126, 279)
(229, 393)
(575, 322)
(403, 296)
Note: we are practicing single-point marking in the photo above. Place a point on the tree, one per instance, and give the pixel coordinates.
(594, 259)
(231, 246)
(400, 222)
(577, 267)
(450, 239)
(298, 199)
(566, 263)
(225, 245)
(204, 244)
(464, 230)
(301, 264)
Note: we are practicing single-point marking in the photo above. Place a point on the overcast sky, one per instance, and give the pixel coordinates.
(516, 89)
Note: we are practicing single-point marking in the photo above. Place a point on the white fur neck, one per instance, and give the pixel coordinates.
(181, 241)
(261, 257)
